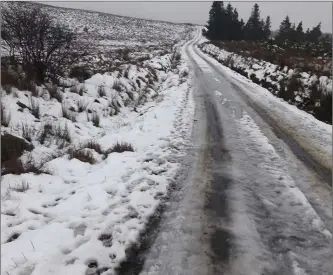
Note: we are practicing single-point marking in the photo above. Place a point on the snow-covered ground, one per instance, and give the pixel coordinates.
(270, 76)
(105, 40)
(311, 134)
(78, 216)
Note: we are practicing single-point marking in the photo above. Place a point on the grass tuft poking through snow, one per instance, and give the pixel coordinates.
(5, 116)
(120, 147)
(20, 187)
(81, 155)
(91, 144)
(67, 113)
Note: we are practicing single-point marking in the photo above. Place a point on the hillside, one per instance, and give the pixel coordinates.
(87, 160)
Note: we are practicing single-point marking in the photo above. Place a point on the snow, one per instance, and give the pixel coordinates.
(271, 73)
(311, 134)
(61, 216)
(253, 134)
(267, 204)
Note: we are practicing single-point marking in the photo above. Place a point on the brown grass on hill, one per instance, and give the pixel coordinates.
(291, 57)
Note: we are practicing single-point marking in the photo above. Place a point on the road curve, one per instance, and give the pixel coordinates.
(247, 203)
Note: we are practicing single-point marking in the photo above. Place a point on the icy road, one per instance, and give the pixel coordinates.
(254, 195)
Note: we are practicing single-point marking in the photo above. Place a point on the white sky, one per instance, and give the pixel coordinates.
(311, 13)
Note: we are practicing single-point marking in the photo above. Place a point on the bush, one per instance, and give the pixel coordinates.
(315, 92)
(120, 147)
(33, 89)
(284, 92)
(12, 147)
(17, 167)
(54, 92)
(324, 111)
(175, 59)
(230, 61)
(82, 155)
(30, 27)
(80, 73)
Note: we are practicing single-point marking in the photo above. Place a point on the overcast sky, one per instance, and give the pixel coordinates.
(311, 13)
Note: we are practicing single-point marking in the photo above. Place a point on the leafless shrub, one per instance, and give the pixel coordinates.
(41, 44)
(68, 114)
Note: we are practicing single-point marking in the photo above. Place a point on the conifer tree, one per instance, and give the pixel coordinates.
(228, 23)
(284, 30)
(254, 28)
(299, 32)
(267, 27)
(315, 33)
(214, 24)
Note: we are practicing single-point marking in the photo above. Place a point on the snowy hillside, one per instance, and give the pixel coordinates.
(88, 160)
(106, 41)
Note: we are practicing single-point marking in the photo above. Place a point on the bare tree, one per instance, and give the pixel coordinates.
(35, 41)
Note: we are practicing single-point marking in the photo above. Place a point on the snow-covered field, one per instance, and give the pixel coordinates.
(271, 77)
(83, 214)
(103, 151)
(105, 41)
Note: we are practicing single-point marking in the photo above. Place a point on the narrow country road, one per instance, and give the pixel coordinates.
(250, 200)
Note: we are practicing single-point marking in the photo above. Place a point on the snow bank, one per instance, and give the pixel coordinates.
(82, 217)
(271, 77)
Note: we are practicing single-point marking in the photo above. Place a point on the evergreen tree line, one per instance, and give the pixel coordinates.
(224, 24)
